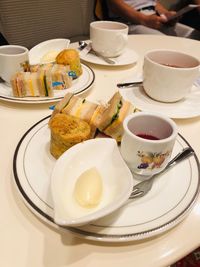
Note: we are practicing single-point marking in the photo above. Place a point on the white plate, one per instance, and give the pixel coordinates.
(188, 107)
(128, 57)
(80, 85)
(40, 50)
(169, 201)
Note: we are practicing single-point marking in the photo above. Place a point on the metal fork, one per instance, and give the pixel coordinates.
(142, 188)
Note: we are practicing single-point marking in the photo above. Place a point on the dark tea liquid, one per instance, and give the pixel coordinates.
(172, 65)
(148, 136)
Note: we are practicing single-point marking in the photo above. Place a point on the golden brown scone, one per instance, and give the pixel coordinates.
(67, 131)
(70, 57)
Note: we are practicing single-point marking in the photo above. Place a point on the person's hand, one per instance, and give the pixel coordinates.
(168, 15)
(154, 21)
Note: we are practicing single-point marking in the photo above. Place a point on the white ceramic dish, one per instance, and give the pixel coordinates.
(142, 218)
(116, 178)
(188, 107)
(128, 57)
(50, 46)
(80, 85)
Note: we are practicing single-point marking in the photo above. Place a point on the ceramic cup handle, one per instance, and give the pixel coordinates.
(122, 40)
(0, 66)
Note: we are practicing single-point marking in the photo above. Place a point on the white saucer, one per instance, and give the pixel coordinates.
(169, 201)
(188, 107)
(128, 57)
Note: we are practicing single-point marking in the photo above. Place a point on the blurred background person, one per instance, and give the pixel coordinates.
(148, 17)
(192, 18)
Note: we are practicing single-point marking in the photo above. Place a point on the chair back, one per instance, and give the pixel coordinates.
(29, 22)
(101, 10)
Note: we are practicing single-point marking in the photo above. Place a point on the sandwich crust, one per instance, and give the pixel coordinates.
(61, 104)
(115, 129)
(109, 112)
(80, 108)
(17, 85)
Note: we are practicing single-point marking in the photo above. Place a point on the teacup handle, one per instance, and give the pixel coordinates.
(197, 81)
(122, 39)
(0, 66)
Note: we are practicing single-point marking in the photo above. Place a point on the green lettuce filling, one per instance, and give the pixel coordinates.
(45, 86)
(116, 115)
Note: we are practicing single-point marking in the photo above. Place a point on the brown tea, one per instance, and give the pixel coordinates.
(148, 136)
(171, 65)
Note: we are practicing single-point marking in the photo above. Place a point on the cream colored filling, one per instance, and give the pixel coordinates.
(89, 188)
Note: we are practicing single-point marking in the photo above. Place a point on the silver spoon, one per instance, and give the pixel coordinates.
(142, 188)
(130, 84)
(83, 44)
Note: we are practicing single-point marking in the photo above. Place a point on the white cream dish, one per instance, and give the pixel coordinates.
(89, 181)
(47, 51)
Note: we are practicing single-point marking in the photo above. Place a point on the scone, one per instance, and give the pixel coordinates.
(70, 57)
(67, 131)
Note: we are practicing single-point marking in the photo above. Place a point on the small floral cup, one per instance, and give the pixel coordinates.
(147, 143)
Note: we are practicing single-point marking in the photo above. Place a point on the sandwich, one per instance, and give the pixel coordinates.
(107, 118)
(60, 78)
(82, 109)
(59, 74)
(79, 108)
(31, 84)
(41, 80)
(111, 121)
(61, 104)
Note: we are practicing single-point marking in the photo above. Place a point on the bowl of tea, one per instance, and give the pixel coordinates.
(168, 75)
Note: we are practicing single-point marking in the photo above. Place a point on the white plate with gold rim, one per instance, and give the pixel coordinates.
(79, 85)
(167, 204)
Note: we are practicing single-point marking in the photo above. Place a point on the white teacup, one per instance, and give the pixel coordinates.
(12, 57)
(169, 75)
(109, 38)
(147, 143)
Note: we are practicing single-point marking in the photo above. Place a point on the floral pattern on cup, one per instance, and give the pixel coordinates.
(149, 160)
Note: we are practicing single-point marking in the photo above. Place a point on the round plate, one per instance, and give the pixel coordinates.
(169, 201)
(128, 57)
(80, 85)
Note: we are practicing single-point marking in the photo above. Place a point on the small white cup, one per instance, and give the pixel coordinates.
(109, 38)
(168, 75)
(147, 143)
(12, 58)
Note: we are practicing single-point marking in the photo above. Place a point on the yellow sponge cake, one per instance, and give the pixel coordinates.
(67, 131)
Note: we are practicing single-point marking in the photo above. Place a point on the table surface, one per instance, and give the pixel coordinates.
(26, 240)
